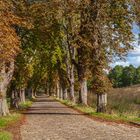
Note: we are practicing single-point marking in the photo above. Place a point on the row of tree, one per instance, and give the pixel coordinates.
(59, 45)
(124, 76)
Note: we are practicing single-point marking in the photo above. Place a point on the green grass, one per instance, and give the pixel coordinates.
(137, 101)
(5, 121)
(4, 135)
(26, 105)
(121, 101)
(92, 112)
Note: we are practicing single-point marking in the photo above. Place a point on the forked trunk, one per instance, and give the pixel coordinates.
(101, 102)
(83, 92)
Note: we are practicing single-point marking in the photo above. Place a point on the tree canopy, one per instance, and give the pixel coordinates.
(124, 76)
(64, 44)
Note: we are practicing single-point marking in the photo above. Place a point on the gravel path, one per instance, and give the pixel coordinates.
(51, 120)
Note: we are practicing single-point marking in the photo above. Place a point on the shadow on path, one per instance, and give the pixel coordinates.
(48, 113)
(46, 106)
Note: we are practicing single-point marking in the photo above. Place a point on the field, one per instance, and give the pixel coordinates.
(121, 101)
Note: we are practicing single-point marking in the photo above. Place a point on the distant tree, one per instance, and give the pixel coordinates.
(128, 75)
(137, 76)
(115, 75)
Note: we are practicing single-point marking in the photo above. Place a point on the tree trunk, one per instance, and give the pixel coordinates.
(71, 73)
(4, 110)
(12, 99)
(65, 94)
(61, 93)
(82, 71)
(57, 90)
(50, 90)
(83, 92)
(46, 91)
(30, 93)
(53, 92)
(46, 88)
(35, 93)
(22, 95)
(6, 74)
(101, 102)
(72, 96)
(70, 57)
(15, 99)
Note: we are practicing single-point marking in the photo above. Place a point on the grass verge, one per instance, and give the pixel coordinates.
(25, 105)
(102, 116)
(5, 121)
(9, 124)
(4, 135)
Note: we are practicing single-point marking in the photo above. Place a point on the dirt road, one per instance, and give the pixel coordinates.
(50, 120)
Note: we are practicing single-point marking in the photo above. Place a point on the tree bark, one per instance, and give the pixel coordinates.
(65, 94)
(83, 92)
(47, 88)
(50, 89)
(81, 68)
(70, 57)
(70, 70)
(12, 99)
(4, 110)
(6, 74)
(60, 93)
(57, 90)
(35, 93)
(15, 100)
(22, 95)
(101, 102)
(72, 79)
(30, 93)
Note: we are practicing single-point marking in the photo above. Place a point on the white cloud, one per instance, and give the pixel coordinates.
(132, 58)
(122, 63)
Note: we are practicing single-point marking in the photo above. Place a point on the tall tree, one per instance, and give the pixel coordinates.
(106, 31)
(128, 75)
(9, 46)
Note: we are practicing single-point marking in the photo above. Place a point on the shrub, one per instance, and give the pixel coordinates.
(26, 105)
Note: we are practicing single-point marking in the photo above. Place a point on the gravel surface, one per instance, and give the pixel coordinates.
(50, 120)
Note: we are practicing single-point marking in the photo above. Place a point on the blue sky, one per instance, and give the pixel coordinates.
(133, 56)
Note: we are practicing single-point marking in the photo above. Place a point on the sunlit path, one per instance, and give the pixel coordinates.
(50, 120)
